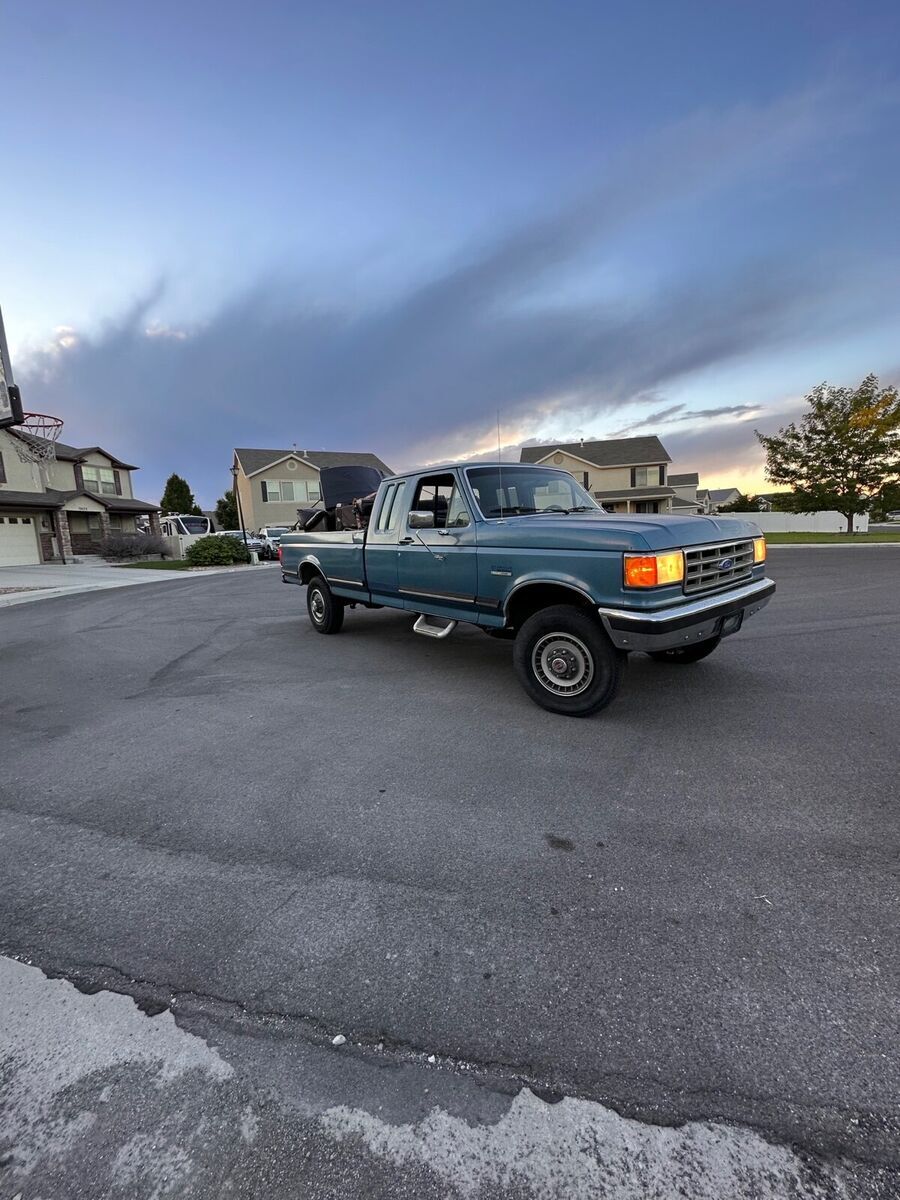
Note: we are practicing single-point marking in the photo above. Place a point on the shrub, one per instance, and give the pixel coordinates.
(213, 551)
(132, 545)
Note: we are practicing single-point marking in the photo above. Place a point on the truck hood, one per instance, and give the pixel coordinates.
(611, 531)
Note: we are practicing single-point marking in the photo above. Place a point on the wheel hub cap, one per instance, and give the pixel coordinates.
(317, 604)
(563, 664)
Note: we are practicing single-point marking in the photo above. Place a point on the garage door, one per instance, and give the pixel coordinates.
(18, 541)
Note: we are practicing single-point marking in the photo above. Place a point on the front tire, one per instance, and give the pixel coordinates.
(326, 612)
(566, 663)
(686, 654)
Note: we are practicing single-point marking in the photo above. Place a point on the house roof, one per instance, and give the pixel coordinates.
(684, 480)
(613, 452)
(72, 453)
(111, 503)
(678, 502)
(641, 493)
(253, 461)
(42, 500)
(717, 494)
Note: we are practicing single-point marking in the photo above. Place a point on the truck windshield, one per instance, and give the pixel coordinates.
(509, 491)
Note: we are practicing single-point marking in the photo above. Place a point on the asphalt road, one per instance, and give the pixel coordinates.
(684, 909)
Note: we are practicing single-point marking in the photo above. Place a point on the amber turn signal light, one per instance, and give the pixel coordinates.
(759, 550)
(653, 570)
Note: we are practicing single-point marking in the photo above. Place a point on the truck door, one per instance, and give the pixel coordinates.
(436, 564)
(381, 542)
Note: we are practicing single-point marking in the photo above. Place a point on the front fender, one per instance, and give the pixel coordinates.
(555, 578)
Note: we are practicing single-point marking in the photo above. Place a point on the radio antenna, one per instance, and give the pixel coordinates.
(500, 463)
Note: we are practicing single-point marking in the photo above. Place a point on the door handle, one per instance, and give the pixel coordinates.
(407, 541)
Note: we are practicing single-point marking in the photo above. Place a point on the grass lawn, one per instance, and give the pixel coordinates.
(834, 539)
(168, 564)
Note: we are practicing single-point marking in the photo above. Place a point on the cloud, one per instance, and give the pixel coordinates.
(679, 413)
(423, 374)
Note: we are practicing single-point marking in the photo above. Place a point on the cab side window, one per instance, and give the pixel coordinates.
(385, 511)
(391, 507)
(435, 494)
(396, 506)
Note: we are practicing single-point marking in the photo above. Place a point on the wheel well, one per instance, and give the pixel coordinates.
(308, 572)
(530, 599)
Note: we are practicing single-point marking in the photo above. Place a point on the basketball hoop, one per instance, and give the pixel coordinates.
(36, 438)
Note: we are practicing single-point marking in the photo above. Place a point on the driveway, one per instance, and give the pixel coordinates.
(649, 954)
(20, 585)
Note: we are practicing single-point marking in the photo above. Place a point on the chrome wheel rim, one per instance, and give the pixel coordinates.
(317, 606)
(562, 664)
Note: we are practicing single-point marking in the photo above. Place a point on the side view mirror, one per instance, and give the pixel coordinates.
(419, 519)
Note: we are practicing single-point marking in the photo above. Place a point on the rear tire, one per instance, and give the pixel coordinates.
(686, 654)
(566, 663)
(326, 612)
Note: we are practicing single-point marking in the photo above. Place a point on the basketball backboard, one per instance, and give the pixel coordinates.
(10, 401)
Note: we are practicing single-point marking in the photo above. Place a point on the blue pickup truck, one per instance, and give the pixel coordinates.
(526, 553)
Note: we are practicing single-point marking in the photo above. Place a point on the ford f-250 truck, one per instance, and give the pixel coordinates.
(525, 552)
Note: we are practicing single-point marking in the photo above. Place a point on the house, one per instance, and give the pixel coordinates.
(272, 484)
(686, 500)
(624, 474)
(718, 497)
(66, 507)
(772, 501)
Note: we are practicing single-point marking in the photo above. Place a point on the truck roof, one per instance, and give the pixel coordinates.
(436, 468)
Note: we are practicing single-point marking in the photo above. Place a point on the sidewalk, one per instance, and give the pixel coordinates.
(53, 579)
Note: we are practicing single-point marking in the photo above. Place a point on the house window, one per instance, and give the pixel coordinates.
(586, 479)
(289, 491)
(101, 480)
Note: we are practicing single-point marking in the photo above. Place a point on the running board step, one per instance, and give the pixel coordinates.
(427, 628)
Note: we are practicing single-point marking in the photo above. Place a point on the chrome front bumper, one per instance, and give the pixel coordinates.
(668, 628)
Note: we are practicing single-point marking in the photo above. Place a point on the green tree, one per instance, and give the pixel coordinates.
(888, 501)
(226, 512)
(843, 452)
(742, 504)
(784, 502)
(178, 497)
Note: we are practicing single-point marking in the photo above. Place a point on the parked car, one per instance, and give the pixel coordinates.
(254, 542)
(893, 516)
(525, 552)
(270, 536)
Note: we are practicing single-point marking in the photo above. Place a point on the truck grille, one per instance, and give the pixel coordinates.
(705, 567)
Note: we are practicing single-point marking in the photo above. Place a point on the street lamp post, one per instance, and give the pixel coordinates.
(237, 500)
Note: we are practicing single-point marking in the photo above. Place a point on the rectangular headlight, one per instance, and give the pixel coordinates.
(654, 570)
(759, 550)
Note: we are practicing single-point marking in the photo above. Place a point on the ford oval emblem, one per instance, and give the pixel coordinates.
(725, 564)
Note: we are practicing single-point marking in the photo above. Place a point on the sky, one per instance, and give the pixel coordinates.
(384, 227)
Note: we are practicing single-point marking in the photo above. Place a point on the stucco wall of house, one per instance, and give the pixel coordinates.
(62, 476)
(95, 459)
(600, 479)
(20, 477)
(274, 512)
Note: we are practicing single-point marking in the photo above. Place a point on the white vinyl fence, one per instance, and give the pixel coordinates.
(817, 522)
